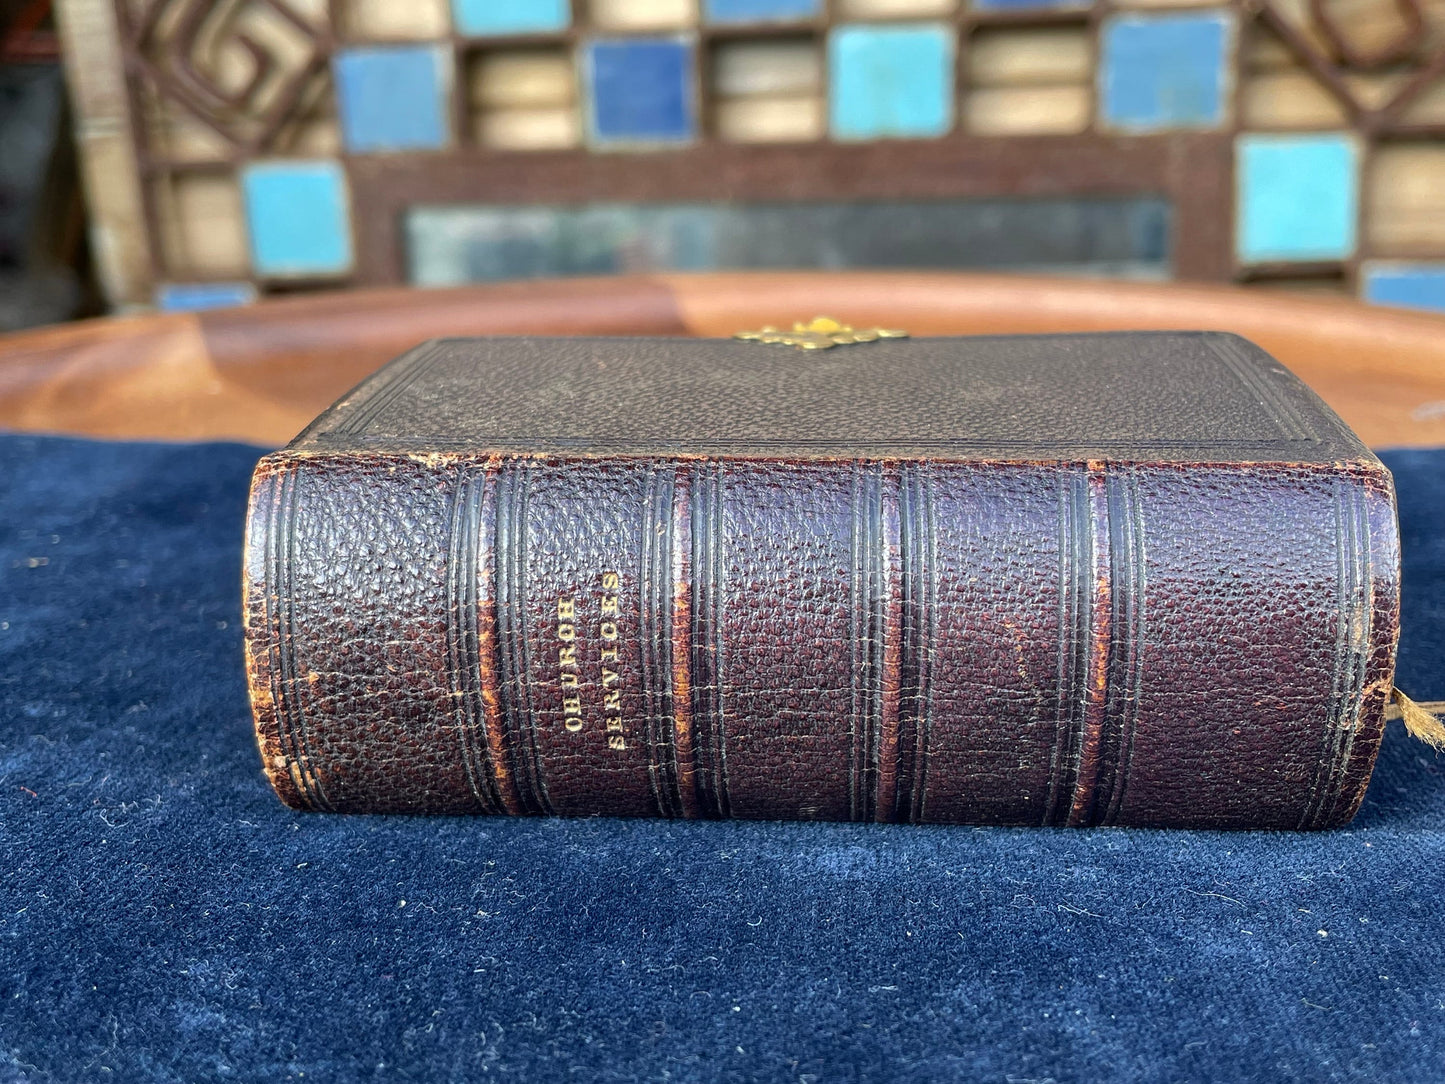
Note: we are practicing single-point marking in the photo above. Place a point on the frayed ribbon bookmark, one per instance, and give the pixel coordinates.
(1422, 721)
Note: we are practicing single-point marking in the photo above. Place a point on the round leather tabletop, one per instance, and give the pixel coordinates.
(260, 373)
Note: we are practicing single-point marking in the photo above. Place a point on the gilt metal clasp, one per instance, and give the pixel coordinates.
(821, 333)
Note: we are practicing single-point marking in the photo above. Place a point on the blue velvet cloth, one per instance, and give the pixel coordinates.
(163, 917)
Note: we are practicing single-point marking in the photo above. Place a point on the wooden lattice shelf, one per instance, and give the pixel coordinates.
(236, 147)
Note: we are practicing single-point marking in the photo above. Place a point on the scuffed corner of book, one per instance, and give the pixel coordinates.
(281, 773)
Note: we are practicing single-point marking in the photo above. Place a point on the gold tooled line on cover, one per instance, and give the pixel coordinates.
(820, 333)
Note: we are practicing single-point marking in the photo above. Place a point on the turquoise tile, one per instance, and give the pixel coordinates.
(1164, 71)
(1407, 285)
(298, 217)
(757, 11)
(392, 97)
(1296, 197)
(200, 296)
(484, 18)
(640, 91)
(891, 80)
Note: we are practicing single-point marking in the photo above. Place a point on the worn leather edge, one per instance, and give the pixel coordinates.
(259, 597)
(1382, 557)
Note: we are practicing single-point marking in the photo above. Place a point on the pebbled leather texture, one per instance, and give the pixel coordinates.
(744, 621)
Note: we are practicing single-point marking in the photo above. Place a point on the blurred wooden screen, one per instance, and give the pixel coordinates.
(239, 147)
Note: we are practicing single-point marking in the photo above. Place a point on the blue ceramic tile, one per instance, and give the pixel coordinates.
(482, 18)
(749, 11)
(890, 80)
(392, 98)
(1296, 197)
(640, 90)
(298, 217)
(1164, 71)
(200, 296)
(1410, 286)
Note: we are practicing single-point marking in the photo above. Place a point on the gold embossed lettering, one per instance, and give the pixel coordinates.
(567, 665)
(576, 637)
(609, 611)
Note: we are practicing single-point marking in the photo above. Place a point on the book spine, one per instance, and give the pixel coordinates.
(989, 643)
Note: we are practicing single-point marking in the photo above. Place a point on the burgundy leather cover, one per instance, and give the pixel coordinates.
(1142, 578)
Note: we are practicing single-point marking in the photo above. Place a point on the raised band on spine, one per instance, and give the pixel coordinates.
(517, 715)
(488, 658)
(655, 627)
(859, 637)
(1126, 527)
(1076, 590)
(917, 626)
(470, 640)
(709, 741)
(1094, 709)
(874, 628)
(679, 645)
(889, 629)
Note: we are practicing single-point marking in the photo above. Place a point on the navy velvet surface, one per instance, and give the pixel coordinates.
(163, 917)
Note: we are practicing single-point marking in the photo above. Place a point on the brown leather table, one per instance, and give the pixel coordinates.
(260, 373)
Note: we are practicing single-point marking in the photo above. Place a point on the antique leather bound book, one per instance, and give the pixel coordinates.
(1135, 579)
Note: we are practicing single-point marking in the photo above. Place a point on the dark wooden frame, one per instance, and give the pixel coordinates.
(1194, 172)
